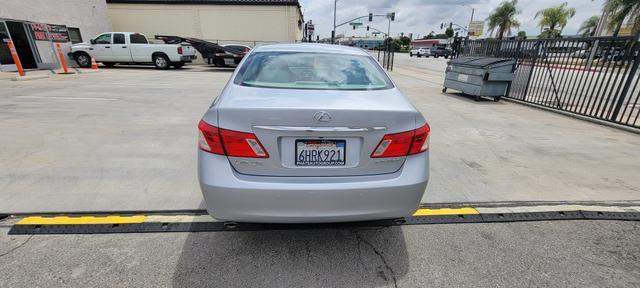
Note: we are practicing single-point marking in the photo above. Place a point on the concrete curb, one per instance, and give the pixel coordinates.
(29, 77)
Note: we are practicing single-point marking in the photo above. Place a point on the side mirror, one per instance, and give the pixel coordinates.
(93, 41)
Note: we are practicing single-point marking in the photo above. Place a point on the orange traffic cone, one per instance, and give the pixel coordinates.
(94, 65)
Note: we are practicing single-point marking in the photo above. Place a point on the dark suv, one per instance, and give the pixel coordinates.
(440, 51)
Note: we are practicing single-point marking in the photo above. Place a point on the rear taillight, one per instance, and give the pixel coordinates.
(228, 142)
(180, 50)
(209, 138)
(403, 143)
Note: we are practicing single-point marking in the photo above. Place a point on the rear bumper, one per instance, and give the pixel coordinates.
(188, 58)
(245, 198)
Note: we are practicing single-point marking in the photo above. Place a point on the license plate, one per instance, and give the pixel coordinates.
(320, 152)
(229, 61)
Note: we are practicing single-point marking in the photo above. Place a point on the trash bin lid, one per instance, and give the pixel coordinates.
(480, 61)
(463, 60)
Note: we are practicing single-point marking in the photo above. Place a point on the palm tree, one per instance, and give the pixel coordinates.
(619, 10)
(502, 19)
(555, 19)
(588, 27)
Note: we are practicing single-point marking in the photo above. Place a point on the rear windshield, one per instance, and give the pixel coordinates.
(302, 70)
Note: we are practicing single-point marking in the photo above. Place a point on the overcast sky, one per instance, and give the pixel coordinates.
(423, 16)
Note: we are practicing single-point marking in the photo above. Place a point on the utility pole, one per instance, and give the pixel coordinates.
(473, 10)
(333, 32)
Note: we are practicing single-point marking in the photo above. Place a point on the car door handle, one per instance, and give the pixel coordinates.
(124, 46)
(107, 46)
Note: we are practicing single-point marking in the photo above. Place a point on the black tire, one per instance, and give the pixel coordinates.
(496, 99)
(161, 61)
(419, 55)
(83, 59)
(109, 64)
(178, 65)
(410, 55)
(444, 90)
(476, 98)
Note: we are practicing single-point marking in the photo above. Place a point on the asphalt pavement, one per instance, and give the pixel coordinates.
(124, 139)
(526, 254)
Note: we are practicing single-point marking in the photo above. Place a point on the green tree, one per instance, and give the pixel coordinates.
(449, 32)
(554, 19)
(404, 40)
(619, 10)
(588, 27)
(502, 19)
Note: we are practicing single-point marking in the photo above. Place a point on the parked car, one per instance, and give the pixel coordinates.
(614, 54)
(231, 59)
(131, 48)
(312, 133)
(419, 51)
(440, 52)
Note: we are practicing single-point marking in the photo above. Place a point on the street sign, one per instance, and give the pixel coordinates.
(476, 28)
(356, 24)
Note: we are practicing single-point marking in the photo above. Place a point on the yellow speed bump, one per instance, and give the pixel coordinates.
(81, 220)
(445, 211)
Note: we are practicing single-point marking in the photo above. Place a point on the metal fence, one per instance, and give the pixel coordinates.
(595, 77)
(388, 54)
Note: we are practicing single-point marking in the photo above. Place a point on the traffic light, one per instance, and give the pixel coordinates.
(441, 25)
(370, 17)
(393, 16)
(354, 27)
(367, 27)
(451, 25)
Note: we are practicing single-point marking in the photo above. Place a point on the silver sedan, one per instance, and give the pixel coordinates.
(307, 133)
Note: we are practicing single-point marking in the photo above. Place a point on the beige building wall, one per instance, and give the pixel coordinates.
(242, 24)
(88, 15)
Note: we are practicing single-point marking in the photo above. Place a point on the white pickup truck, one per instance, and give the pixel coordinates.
(112, 48)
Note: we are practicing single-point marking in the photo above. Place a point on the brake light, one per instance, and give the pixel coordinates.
(180, 50)
(209, 138)
(403, 143)
(231, 143)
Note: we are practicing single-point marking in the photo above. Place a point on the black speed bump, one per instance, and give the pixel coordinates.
(201, 222)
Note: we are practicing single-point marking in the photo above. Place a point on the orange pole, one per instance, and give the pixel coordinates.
(62, 61)
(16, 59)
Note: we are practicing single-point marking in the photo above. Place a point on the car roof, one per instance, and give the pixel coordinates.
(311, 48)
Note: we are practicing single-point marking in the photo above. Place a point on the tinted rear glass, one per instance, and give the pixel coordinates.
(298, 70)
(138, 39)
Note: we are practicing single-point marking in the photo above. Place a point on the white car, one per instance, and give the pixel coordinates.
(420, 51)
(131, 48)
(308, 133)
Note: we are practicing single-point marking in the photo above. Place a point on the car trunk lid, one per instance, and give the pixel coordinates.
(292, 121)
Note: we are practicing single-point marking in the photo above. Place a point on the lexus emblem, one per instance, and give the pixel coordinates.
(322, 116)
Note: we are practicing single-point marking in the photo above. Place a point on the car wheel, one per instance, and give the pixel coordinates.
(83, 60)
(410, 55)
(161, 62)
(419, 55)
